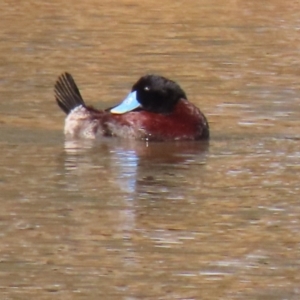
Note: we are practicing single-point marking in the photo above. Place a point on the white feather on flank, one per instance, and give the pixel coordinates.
(79, 124)
(132, 131)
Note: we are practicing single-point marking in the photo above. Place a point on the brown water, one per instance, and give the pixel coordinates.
(129, 220)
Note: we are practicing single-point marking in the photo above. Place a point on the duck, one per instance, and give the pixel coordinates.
(156, 109)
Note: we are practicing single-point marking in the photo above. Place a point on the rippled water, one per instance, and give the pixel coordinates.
(130, 220)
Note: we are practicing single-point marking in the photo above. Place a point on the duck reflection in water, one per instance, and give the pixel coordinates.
(131, 189)
(135, 167)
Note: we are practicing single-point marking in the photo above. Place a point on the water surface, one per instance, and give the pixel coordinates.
(134, 220)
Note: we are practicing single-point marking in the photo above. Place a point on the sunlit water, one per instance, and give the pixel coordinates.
(131, 220)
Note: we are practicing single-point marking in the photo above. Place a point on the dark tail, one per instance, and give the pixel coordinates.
(67, 94)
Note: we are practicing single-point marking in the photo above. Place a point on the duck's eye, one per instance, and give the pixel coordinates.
(146, 88)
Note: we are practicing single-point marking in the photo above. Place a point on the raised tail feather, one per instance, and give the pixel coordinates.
(67, 94)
